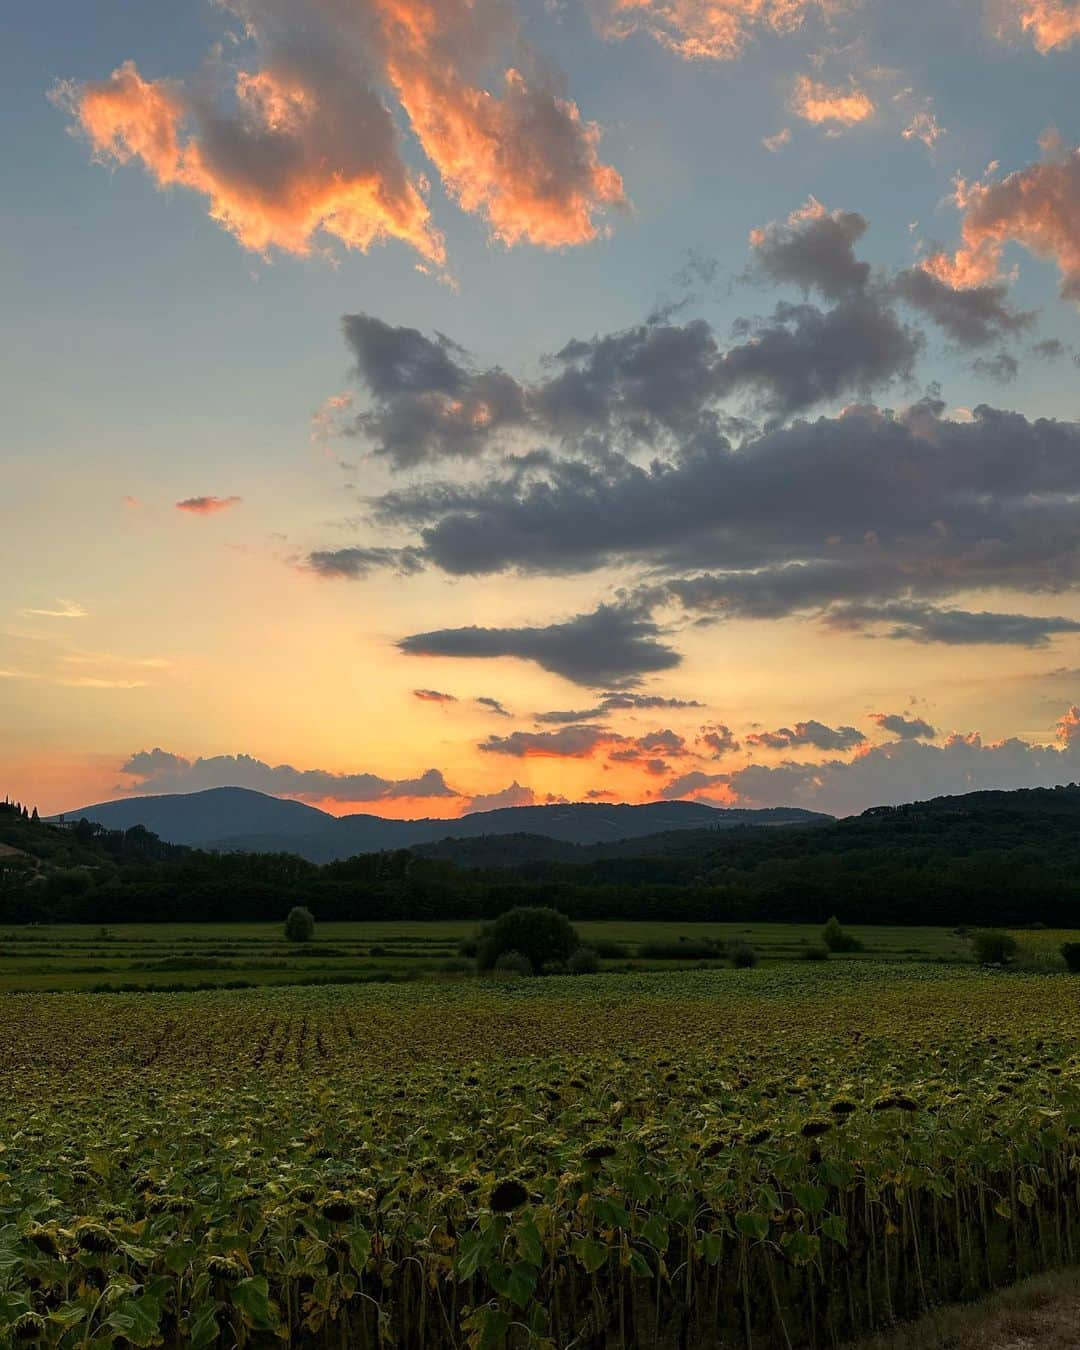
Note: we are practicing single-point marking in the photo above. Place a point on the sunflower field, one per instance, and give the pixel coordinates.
(789, 1156)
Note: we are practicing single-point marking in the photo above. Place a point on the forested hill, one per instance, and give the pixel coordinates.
(985, 859)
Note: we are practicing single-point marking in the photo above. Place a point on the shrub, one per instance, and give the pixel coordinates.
(686, 949)
(994, 949)
(468, 947)
(512, 963)
(837, 940)
(584, 961)
(1071, 953)
(742, 955)
(609, 949)
(541, 935)
(300, 925)
(816, 951)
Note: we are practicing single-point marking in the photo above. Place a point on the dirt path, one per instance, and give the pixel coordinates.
(1041, 1314)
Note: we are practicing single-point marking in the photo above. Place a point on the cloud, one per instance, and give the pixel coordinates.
(207, 506)
(914, 622)
(492, 705)
(1068, 726)
(1049, 349)
(688, 784)
(65, 609)
(132, 502)
(426, 400)
(514, 795)
(904, 728)
(1001, 368)
(973, 316)
(810, 733)
(294, 143)
(697, 30)
(923, 127)
(523, 158)
(868, 506)
(298, 148)
(904, 771)
(621, 701)
(611, 645)
(577, 742)
(433, 696)
(774, 144)
(352, 563)
(157, 771)
(1038, 207)
(831, 106)
(814, 248)
(719, 741)
(1051, 23)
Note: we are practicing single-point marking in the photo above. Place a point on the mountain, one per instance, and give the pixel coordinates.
(237, 819)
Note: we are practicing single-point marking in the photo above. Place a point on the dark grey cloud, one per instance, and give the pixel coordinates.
(919, 622)
(973, 317)
(433, 696)
(616, 701)
(427, 400)
(865, 506)
(904, 728)
(688, 784)
(718, 740)
(1049, 349)
(813, 249)
(612, 645)
(352, 563)
(809, 733)
(902, 771)
(1001, 368)
(160, 771)
(492, 705)
(578, 742)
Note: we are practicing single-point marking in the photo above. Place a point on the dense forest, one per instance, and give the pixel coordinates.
(988, 858)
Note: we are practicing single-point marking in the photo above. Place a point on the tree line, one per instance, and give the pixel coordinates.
(1007, 861)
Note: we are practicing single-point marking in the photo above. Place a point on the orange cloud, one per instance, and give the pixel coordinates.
(524, 159)
(715, 30)
(207, 506)
(1068, 726)
(823, 104)
(287, 156)
(302, 146)
(1038, 207)
(1051, 23)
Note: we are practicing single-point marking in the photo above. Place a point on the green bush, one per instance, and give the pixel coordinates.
(994, 949)
(742, 955)
(300, 925)
(512, 963)
(609, 949)
(543, 936)
(584, 961)
(815, 951)
(837, 940)
(1070, 951)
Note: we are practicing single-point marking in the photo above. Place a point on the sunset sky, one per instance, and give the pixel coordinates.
(418, 406)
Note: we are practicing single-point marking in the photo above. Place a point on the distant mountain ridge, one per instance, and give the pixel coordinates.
(238, 819)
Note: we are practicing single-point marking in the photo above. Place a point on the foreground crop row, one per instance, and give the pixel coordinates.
(756, 1158)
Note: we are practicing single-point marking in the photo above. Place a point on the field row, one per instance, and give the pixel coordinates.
(697, 1158)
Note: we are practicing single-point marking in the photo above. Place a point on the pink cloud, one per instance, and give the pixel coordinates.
(830, 105)
(1038, 207)
(207, 506)
(716, 30)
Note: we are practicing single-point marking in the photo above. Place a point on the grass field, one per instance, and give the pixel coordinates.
(170, 955)
(694, 1158)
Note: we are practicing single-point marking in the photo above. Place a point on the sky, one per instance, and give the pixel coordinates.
(422, 406)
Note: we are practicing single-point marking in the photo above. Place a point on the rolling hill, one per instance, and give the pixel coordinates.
(239, 820)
